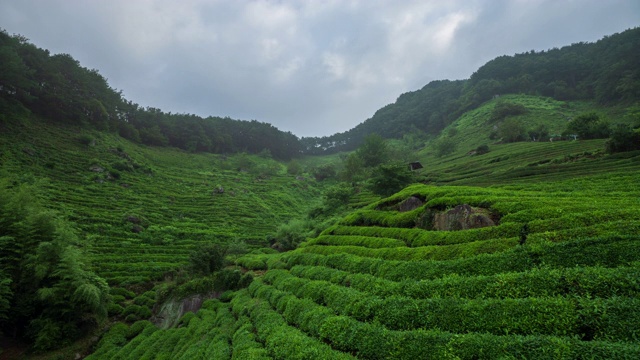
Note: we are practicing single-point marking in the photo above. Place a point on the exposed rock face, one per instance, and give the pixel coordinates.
(409, 204)
(96, 168)
(170, 312)
(462, 217)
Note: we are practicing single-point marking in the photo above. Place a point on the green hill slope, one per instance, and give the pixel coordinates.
(556, 277)
(605, 72)
(551, 273)
(143, 209)
(527, 161)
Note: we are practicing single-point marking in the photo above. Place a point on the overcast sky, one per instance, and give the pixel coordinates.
(310, 67)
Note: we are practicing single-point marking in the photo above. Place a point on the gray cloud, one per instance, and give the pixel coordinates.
(310, 67)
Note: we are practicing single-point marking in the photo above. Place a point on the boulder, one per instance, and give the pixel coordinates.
(409, 204)
(462, 217)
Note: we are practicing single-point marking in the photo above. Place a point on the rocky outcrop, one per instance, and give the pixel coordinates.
(409, 204)
(462, 217)
(168, 315)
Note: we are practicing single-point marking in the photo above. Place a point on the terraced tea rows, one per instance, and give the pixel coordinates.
(162, 202)
(555, 278)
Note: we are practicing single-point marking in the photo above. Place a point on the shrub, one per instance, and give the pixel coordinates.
(145, 300)
(294, 167)
(136, 328)
(227, 279)
(122, 165)
(482, 149)
(237, 247)
(245, 280)
(389, 179)
(539, 132)
(622, 139)
(588, 126)
(504, 109)
(445, 146)
(86, 139)
(289, 235)
(337, 195)
(512, 130)
(206, 260)
(324, 172)
(139, 312)
(114, 309)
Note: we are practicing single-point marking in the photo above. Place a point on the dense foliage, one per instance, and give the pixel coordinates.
(47, 294)
(588, 126)
(60, 90)
(605, 71)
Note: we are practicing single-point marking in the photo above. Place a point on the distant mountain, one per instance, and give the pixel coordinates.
(58, 89)
(607, 71)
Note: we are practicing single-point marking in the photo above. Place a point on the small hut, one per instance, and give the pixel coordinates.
(415, 165)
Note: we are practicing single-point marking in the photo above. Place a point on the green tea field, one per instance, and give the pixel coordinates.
(142, 209)
(552, 274)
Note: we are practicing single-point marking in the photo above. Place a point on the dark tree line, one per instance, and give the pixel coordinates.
(58, 89)
(606, 71)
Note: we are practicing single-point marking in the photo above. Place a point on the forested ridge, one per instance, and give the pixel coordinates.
(605, 71)
(59, 89)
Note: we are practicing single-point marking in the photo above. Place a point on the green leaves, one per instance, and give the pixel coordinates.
(588, 126)
(389, 179)
(5, 295)
(50, 287)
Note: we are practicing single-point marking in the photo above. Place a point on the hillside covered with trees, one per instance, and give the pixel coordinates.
(59, 90)
(605, 72)
(129, 233)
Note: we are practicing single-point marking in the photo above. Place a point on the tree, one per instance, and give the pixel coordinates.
(445, 146)
(51, 293)
(539, 132)
(373, 151)
(289, 235)
(622, 139)
(337, 196)
(482, 149)
(294, 167)
(353, 168)
(389, 179)
(512, 130)
(324, 172)
(588, 126)
(207, 260)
